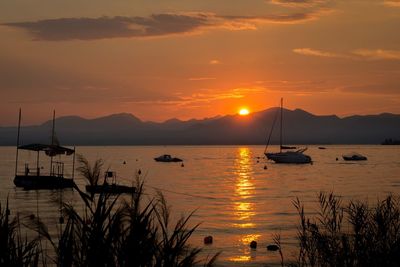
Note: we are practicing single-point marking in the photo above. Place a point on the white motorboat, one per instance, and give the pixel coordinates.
(289, 157)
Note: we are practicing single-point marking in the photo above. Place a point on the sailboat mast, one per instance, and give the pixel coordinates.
(19, 128)
(280, 138)
(52, 141)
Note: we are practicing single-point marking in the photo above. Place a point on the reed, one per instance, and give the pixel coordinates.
(14, 250)
(116, 231)
(349, 235)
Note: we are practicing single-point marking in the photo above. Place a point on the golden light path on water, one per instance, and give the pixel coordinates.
(244, 208)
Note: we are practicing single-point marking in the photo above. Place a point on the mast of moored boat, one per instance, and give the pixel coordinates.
(73, 165)
(280, 138)
(52, 142)
(19, 127)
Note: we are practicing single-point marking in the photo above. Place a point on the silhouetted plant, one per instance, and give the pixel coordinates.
(116, 232)
(91, 174)
(15, 251)
(372, 237)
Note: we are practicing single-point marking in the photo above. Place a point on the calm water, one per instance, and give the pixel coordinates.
(237, 200)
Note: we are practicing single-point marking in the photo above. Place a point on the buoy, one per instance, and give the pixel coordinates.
(258, 161)
(208, 240)
(337, 159)
(139, 172)
(253, 244)
(272, 247)
(124, 162)
(182, 165)
(265, 167)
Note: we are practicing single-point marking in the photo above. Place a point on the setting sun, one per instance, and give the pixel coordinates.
(244, 112)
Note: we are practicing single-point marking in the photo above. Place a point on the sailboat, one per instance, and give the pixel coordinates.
(35, 178)
(296, 157)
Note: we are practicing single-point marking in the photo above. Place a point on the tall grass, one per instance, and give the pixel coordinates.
(116, 231)
(14, 250)
(349, 235)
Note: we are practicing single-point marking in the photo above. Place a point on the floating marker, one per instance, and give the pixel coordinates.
(182, 165)
(208, 240)
(253, 244)
(265, 167)
(139, 172)
(272, 247)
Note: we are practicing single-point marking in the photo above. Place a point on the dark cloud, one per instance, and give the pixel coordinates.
(155, 25)
(110, 27)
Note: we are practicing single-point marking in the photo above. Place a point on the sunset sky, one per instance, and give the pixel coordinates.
(162, 59)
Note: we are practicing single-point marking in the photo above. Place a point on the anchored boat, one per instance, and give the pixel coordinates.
(354, 157)
(282, 156)
(34, 177)
(167, 158)
(110, 186)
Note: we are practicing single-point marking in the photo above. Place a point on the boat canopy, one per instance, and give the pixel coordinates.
(50, 150)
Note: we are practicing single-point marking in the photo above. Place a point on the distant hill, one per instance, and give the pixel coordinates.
(300, 127)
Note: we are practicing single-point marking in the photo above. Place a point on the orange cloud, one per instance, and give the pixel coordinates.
(317, 53)
(202, 78)
(299, 3)
(378, 54)
(392, 3)
(202, 97)
(215, 62)
(368, 54)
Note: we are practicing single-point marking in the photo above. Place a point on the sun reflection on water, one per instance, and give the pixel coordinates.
(244, 207)
(244, 189)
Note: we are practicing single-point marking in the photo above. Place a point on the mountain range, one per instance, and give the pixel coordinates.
(299, 127)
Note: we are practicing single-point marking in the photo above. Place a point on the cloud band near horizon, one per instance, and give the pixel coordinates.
(367, 54)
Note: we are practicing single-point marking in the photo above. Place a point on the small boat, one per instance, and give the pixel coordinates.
(110, 188)
(354, 157)
(35, 177)
(296, 157)
(321, 147)
(167, 158)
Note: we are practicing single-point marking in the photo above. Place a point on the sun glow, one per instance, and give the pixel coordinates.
(244, 112)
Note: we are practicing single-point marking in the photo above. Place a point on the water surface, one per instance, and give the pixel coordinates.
(235, 198)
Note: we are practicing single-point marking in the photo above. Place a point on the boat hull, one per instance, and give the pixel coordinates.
(289, 157)
(359, 158)
(160, 159)
(110, 189)
(42, 182)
